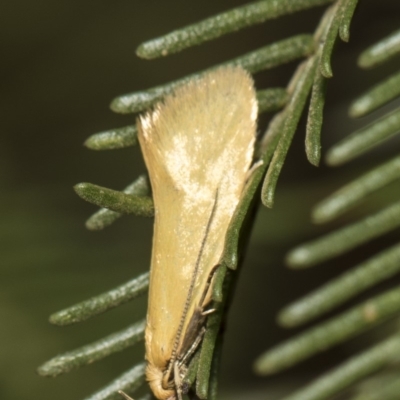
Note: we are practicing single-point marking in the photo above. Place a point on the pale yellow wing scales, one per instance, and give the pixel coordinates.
(197, 143)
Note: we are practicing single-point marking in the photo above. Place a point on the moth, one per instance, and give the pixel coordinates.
(198, 146)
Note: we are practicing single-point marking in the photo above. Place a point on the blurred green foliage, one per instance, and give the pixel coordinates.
(63, 62)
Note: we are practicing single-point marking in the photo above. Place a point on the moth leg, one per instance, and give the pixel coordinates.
(208, 312)
(193, 347)
(253, 168)
(207, 286)
(178, 381)
(123, 394)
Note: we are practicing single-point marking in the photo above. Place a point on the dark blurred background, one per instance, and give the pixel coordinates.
(62, 64)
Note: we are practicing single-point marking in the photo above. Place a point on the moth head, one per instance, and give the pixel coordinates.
(154, 376)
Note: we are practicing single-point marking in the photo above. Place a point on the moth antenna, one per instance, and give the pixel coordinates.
(191, 288)
(123, 394)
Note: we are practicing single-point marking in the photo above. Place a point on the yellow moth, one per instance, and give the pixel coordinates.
(198, 146)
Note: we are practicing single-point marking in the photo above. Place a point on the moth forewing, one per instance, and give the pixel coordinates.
(198, 146)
